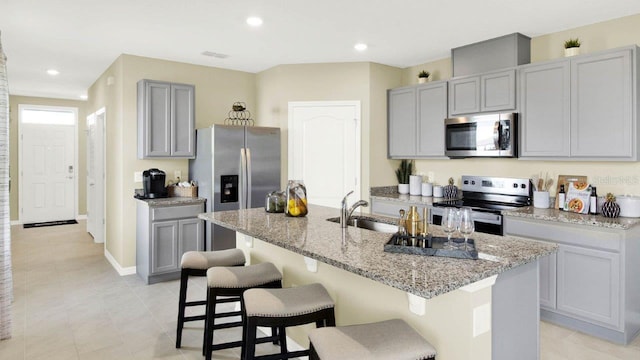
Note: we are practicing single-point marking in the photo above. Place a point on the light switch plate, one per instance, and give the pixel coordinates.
(137, 176)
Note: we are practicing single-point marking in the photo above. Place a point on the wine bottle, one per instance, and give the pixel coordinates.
(561, 198)
(593, 201)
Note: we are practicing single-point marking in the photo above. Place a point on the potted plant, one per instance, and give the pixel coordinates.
(402, 173)
(423, 77)
(572, 47)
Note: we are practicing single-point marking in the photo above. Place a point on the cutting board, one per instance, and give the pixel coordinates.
(565, 180)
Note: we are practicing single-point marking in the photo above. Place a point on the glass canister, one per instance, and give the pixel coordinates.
(275, 202)
(296, 199)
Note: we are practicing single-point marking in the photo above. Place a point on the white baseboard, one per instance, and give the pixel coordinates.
(16, 222)
(81, 217)
(121, 271)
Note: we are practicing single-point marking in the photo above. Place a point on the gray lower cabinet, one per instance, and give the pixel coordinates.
(166, 120)
(416, 120)
(586, 284)
(163, 234)
(490, 92)
(583, 108)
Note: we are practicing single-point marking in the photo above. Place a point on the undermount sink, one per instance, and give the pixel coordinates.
(368, 223)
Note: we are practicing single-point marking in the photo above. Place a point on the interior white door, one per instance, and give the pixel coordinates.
(48, 169)
(95, 175)
(324, 149)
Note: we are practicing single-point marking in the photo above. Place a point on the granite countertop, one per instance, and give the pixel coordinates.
(556, 215)
(169, 201)
(361, 251)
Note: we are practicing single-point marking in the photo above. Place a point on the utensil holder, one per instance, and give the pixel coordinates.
(541, 199)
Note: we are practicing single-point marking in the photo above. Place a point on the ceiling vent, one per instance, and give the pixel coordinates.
(215, 54)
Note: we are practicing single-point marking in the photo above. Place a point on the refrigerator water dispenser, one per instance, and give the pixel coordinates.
(228, 188)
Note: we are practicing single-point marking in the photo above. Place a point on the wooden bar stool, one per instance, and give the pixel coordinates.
(196, 263)
(391, 339)
(283, 308)
(234, 281)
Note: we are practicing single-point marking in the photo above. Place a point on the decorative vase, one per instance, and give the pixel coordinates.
(403, 188)
(571, 51)
(415, 185)
(296, 199)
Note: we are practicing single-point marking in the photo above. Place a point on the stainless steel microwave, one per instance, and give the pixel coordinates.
(486, 135)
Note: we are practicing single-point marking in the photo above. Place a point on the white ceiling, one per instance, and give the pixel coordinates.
(81, 38)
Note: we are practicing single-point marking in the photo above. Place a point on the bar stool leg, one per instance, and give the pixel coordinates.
(283, 341)
(184, 279)
(209, 323)
(250, 340)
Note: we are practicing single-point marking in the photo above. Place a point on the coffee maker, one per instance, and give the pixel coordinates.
(153, 184)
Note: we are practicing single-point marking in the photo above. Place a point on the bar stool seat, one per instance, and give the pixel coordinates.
(283, 308)
(391, 339)
(196, 263)
(234, 281)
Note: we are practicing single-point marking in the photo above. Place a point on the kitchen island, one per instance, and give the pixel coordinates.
(468, 309)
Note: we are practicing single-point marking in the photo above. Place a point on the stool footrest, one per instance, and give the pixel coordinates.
(233, 344)
(226, 300)
(194, 318)
(195, 303)
(228, 314)
(227, 325)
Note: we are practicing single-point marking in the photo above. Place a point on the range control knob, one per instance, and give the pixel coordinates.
(515, 185)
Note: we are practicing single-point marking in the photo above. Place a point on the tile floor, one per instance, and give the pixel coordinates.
(71, 304)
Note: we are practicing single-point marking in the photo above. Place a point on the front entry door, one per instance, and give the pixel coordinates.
(47, 164)
(324, 149)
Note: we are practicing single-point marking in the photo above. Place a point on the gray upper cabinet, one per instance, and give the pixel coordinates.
(602, 105)
(431, 110)
(416, 120)
(545, 117)
(401, 122)
(489, 92)
(583, 108)
(166, 120)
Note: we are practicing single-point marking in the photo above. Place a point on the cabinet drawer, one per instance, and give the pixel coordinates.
(176, 212)
(564, 233)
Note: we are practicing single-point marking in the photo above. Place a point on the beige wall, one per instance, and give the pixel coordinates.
(216, 90)
(616, 177)
(14, 101)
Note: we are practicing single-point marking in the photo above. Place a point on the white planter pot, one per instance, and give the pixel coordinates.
(403, 188)
(422, 80)
(572, 51)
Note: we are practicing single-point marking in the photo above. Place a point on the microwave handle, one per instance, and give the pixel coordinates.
(497, 131)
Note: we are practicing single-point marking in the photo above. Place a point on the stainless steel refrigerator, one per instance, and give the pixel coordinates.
(235, 168)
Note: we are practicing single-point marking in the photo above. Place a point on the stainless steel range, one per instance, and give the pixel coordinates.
(487, 197)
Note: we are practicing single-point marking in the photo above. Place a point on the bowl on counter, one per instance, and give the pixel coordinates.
(629, 205)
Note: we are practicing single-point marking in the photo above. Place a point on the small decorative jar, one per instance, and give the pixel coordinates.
(275, 202)
(296, 205)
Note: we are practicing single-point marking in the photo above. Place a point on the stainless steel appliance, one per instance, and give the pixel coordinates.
(153, 184)
(487, 197)
(487, 135)
(235, 168)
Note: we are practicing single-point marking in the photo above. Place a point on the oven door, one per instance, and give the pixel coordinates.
(484, 222)
(491, 135)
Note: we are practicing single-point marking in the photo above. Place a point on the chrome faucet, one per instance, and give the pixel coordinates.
(345, 214)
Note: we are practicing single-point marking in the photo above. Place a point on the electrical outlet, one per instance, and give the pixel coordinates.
(432, 176)
(177, 174)
(137, 176)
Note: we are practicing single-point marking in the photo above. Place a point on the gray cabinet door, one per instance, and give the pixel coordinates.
(602, 106)
(191, 236)
(182, 120)
(164, 246)
(548, 281)
(154, 122)
(464, 96)
(589, 284)
(431, 101)
(401, 122)
(545, 117)
(498, 91)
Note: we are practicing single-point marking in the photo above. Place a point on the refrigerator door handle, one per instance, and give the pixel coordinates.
(248, 178)
(243, 179)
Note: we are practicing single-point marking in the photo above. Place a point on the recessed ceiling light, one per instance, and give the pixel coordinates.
(360, 46)
(215, 54)
(254, 21)
(84, 97)
(53, 72)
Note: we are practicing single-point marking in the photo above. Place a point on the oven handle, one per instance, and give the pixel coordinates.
(479, 216)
